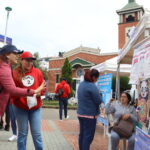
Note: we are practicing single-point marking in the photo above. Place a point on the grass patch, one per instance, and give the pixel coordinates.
(55, 104)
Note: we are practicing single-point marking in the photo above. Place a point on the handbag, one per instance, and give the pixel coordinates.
(124, 128)
(31, 101)
(60, 92)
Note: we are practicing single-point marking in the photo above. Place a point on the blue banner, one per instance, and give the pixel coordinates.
(8, 40)
(104, 84)
(142, 140)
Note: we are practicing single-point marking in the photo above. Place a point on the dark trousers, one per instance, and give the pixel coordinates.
(87, 131)
(63, 103)
(7, 117)
(13, 119)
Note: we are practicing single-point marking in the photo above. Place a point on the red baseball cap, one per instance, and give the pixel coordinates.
(27, 55)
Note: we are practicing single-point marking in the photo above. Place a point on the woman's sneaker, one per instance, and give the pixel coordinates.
(67, 117)
(13, 138)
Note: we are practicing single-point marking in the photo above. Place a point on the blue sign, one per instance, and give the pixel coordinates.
(8, 40)
(142, 140)
(104, 84)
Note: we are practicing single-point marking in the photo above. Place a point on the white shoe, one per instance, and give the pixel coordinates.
(13, 138)
(67, 117)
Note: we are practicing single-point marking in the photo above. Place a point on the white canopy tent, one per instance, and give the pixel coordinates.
(111, 66)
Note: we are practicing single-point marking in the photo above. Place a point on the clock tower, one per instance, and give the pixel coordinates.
(129, 16)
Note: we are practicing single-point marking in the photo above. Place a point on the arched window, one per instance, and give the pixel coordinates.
(130, 18)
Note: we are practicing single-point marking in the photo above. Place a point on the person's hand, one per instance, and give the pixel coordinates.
(111, 100)
(38, 95)
(126, 116)
(40, 88)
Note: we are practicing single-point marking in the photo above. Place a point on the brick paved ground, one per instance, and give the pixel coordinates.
(57, 135)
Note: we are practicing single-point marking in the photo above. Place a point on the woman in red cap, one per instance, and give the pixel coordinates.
(9, 56)
(28, 109)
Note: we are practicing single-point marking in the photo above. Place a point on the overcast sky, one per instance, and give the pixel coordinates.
(50, 26)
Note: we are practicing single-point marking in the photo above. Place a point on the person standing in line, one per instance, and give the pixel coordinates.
(9, 56)
(89, 101)
(63, 91)
(28, 109)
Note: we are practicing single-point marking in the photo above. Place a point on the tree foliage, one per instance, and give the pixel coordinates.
(37, 65)
(124, 80)
(66, 71)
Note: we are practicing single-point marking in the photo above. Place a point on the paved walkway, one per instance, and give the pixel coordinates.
(57, 135)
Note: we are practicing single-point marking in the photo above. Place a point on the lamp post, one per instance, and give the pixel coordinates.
(8, 9)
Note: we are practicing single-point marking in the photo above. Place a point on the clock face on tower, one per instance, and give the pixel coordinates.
(80, 72)
(127, 36)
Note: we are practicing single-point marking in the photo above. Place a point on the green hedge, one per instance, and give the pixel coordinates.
(55, 104)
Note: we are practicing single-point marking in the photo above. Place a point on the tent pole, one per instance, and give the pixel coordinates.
(117, 95)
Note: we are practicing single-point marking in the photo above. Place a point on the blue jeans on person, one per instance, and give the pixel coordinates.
(115, 141)
(33, 117)
(13, 119)
(87, 131)
(63, 103)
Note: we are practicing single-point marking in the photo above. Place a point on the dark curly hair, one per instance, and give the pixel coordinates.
(90, 74)
(128, 96)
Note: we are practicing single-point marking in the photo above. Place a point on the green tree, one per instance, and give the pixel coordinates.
(37, 65)
(36, 62)
(66, 73)
(124, 83)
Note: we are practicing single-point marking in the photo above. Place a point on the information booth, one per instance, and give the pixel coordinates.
(137, 52)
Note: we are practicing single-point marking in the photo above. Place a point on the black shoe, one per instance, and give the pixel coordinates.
(1, 128)
(7, 127)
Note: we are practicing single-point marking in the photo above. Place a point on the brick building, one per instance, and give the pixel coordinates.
(81, 59)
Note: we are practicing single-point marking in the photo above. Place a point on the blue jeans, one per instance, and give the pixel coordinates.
(115, 141)
(63, 102)
(13, 119)
(34, 119)
(87, 131)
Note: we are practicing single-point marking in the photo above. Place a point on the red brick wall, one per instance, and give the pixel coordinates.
(74, 74)
(52, 80)
(89, 57)
(121, 33)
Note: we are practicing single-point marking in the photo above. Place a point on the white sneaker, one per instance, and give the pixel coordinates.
(12, 138)
(67, 117)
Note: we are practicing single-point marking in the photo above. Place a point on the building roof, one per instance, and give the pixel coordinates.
(132, 5)
(90, 58)
(82, 62)
(83, 49)
(95, 51)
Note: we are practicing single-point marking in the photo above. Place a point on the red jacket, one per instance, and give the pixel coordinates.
(65, 86)
(8, 87)
(32, 80)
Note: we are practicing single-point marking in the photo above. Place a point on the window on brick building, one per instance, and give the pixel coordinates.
(130, 18)
(57, 78)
